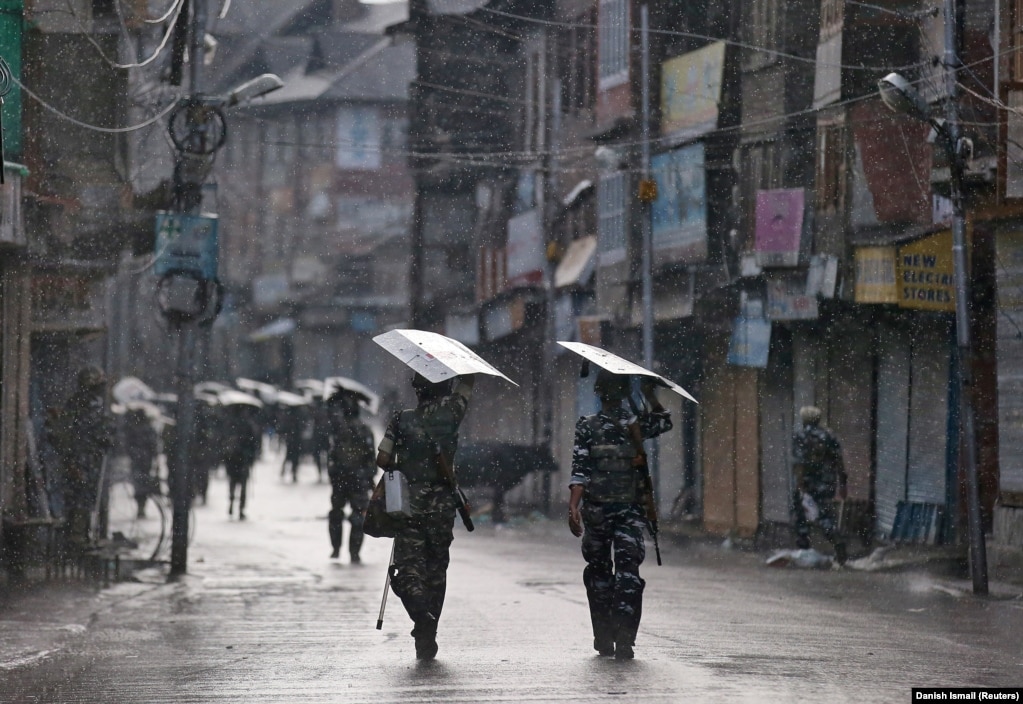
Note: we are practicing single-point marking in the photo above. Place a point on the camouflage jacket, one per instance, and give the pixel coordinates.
(414, 436)
(351, 448)
(614, 429)
(820, 454)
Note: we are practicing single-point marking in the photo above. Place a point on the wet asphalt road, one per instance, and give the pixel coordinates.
(265, 616)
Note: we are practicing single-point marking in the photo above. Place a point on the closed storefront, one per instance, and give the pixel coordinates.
(731, 491)
(913, 432)
(776, 430)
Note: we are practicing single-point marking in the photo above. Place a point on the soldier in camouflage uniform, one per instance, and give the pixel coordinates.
(608, 508)
(819, 472)
(350, 468)
(411, 444)
(85, 434)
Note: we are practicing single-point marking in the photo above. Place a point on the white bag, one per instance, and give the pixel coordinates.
(396, 494)
(810, 508)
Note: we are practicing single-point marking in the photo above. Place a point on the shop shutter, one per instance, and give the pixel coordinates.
(1010, 359)
(893, 380)
(850, 397)
(928, 414)
(776, 432)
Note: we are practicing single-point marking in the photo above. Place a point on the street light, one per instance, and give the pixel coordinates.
(899, 96)
(252, 89)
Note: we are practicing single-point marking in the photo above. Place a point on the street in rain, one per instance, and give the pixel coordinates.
(511, 351)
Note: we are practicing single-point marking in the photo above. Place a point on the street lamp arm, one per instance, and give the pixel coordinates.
(254, 88)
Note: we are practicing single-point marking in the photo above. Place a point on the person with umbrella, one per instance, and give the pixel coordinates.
(350, 469)
(611, 495)
(420, 443)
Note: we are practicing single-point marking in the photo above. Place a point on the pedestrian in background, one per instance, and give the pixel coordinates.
(609, 504)
(243, 444)
(85, 433)
(412, 444)
(291, 435)
(350, 468)
(140, 444)
(819, 475)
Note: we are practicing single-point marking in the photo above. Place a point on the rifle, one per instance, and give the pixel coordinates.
(447, 473)
(646, 488)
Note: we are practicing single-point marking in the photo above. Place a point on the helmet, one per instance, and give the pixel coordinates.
(810, 415)
(427, 390)
(610, 386)
(90, 377)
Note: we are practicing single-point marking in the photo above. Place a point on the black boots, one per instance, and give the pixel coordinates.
(425, 634)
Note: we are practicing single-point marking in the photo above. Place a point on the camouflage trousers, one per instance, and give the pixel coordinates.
(613, 548)
(421, 554)
(352, 491)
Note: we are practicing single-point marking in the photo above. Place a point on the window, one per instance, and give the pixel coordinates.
(830, 176)
(1017, 40)
(762, 32)
(613, 51)
(611, 218)
(576, 61)
(831, 17)
(762, 170)
(104, 8)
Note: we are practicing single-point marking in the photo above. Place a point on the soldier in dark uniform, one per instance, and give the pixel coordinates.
(412, 442)
(608, 508)
(350, 468)
(242, 448)
(86, 433)
(819, 472)
(140, 444)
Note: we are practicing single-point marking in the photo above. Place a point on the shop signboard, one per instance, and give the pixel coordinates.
(679, 213)
(925, 274)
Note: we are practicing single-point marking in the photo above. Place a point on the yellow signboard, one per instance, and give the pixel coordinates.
(925, 273)
(691, 90)
(875, 275)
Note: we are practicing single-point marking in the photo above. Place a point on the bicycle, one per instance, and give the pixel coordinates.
(145, 533)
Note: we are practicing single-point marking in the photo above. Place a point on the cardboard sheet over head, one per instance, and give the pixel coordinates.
(619, 365)
(435, 356)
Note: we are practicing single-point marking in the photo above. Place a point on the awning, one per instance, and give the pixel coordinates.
(278, 328)
(584, 186)
(577, 265)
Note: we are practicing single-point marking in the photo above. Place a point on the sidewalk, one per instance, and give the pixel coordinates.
(946, 565)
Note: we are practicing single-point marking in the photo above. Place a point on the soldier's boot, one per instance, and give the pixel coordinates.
(334, 522)
(841, 555)
(425, 634)
(600, 619)
(626, 622)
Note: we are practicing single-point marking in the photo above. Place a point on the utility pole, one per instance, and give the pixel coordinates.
(647, 195)
(968, 451)
(192, 202)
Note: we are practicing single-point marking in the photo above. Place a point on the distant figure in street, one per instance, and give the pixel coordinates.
(412, 443)
(85, 433)
(320, 445)
(610, 480)
(818, 472)
(292, 425)
(140, 444)
(350, 468)
(242, 446)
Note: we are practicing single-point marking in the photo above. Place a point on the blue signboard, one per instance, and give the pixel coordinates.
(679, 214)
(186, 244)
(750, 343)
